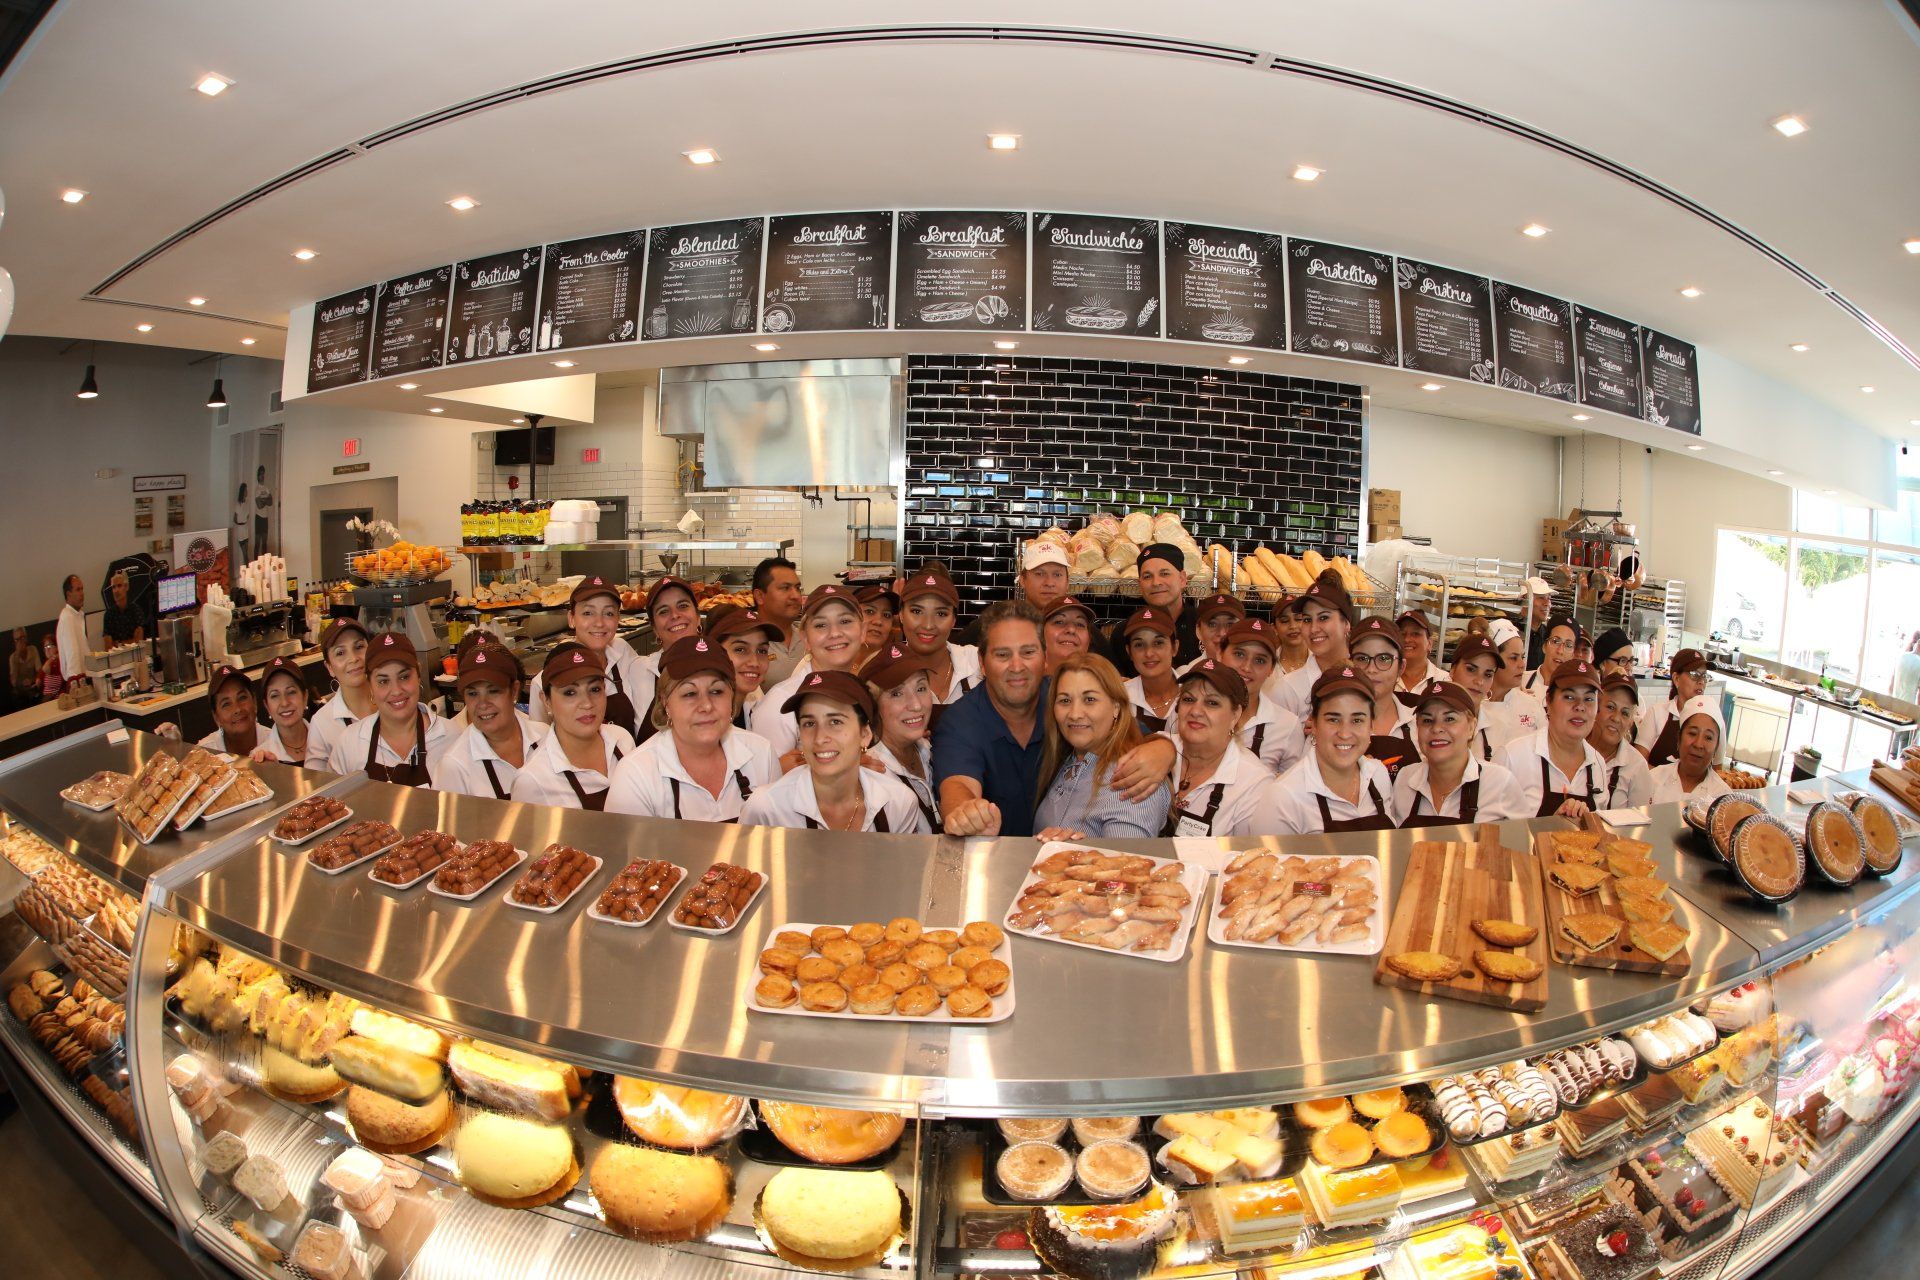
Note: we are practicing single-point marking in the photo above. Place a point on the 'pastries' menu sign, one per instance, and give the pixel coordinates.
(1446, 321)
(1226, 286)
(827, 271)
(493, 304)
(411, 332)
(342, 334)
(1535, 347)
(702, 278)
(1670, 380)
(590, 291)
(1096, 275)
(1607, 352)
(961, 271)
(1341, 301)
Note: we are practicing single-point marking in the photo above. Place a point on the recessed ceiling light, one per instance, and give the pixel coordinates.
(1690, 292)
(1533, 229)
(305, 255)
(1866, 391)
(1003, 141)
(196, 302)
(1582, 417)
(144, 328)
(1790, 126)
(409, 386)
(1238, 359)
(213, 85)
(518, 421)
(1306, 173)
(463, 203)
(1800, 347)
(1911, 246)
(1006, 344)
(73, 195)
(436, 409)
(1430, 386)
(766, 346)
(702, 155)
(1775, 471)
(563, 364)
(247, 342)
(1695, 448)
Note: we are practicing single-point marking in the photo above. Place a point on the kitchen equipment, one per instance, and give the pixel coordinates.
(259, 633)
(179, 646)
(406, 609)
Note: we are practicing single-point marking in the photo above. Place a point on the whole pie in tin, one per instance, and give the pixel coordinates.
(1767, 858)
(1835, 844)
(1881, 833)
(1726, 813)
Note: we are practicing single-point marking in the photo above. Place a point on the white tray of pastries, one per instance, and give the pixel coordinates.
(1063, 901)
(917, 974)
(1329, 906)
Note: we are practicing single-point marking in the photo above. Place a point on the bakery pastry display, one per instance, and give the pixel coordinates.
(1127, 902)
(1515, 1156)
(903, 970)
(718, 899)
(223, 1155)
(1034, 1170)
(1108, 1241)
(363, 1186)
(213, 777)
(1681, 1199)
(1592, 1128)
(1667, 1042)
(1767, 857)
(1111, 1169)
(247, 790)
(1479, 1105)
(352, 845)
(1480, 1248)
(1347, 1198)
(261, 1180)
(1610, 1243)
(1652, 1102)
(304, 819)
(638, 891)
(1257, 1216)
(98, 791)
(1724, 813)
(1215, 1146)
(1342, 1146)
(1879, 830)
(659, 1196)
(1748, 1147)
(512, 1081)
(156, 793)
(74, 1026)
(1295, 903)
(553, 878)
(324, 1252)
(831, 1135)
(514, 1163)
(471, 869)
(836, 1215)
(1836, 845)
(385, 1125)
(1586, 1072)
(1424, 966)
(414, 859)
(671, 1115)
(295, 1080)
(400, 1073)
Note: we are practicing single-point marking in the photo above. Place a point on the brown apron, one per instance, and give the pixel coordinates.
(597, 802)
(1551, 800)
(1469, 806)
(1394, 750)
(1667, 745)
(493, 779)
(1380, 820)
(411, 774)
(620, 708)
(739, 779)
(1178, 819)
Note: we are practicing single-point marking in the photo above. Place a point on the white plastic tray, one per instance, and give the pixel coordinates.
(93, 808)
(1002, 1003)
(1376, 928)
(347, 866)
(159, 830)
(250, 804)
(666, 900)
(185, 817)
(520, 859)
(690, 879)
(295, 844)
(424, 875)
(598, 862)
(1193, 877)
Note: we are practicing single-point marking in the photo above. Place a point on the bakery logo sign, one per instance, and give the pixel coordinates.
(1536, 311)
(494, 277)
(593, 258)
(200, 555)
(1343, 273)
(695, 246)
(1109, 241)
(344, 310)
(838, 233)
(1446, 291)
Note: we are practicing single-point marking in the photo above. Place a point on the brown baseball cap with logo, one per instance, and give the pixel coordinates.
(1218, 603)
(1687, 660)
(1148, 619)
(1339, 680)
(391, 647)
(1257, 630)
(571, 662)
(738, 622)
(690, 655)
(892, 667)
(839, 686)
(1221, 677)
(591, 587)
(1449, 693)
(929, 582)
(487, 661)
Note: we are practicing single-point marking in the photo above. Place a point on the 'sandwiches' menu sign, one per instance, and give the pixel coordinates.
(1446, 321)
(1534, 341)
(410, 329)
(702, 278)
(590, 291)
(1226, 286)
(1606, 352)
(493, 305)
(1340, 302)
(342, 337)
(827, 271)
(1095, 274)
(956, 270)
(1670, 382)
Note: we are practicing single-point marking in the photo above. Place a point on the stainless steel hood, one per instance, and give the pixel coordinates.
(789, 424)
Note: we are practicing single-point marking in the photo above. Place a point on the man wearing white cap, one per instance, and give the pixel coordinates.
(1690, 774)
(1043, 580)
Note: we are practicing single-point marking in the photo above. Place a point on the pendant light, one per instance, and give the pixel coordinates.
(89, 389)
(217, 398)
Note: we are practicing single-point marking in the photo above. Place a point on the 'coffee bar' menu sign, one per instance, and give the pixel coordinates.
(1670, 380)
(701, 279)
(342, 334)
(493, 305)
(827, 271)
(411, 331)
(1607, 352)
(1341, 302)
(1095, 274)
(1446, 321)
(961, 271)
(1226, 286)
(590, 291)
(1535, 347)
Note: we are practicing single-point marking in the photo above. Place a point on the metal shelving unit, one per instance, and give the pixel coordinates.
(1451, 590)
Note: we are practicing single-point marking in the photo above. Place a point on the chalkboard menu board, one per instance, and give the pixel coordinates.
(590, 291)
(1093, 274)
(1670, 382)
(702, 278)
(1607, 353)
(1535, 341)
(411, 332)
(1341, 301)
(342, 336)
(493, 304)
(1226, 286)
(961, 271)
(1446, 321)
(827, 271)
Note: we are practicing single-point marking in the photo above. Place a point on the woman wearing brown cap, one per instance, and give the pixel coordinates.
(574, 763)
(1148, 637)
(1220, 787)
(1560, 772)
(1272, 733)
(1066, 628)
(903, 715)
(1375, 652)
(343, 648)
(1450, 784)
(1326, 613)
(834, 717)
(282, 691)
(402, 742)
(748, 640)
(1291, 630)
(881, 609)
(929, 603)
(697, 765)
(1337, 786)
(1629, 778)
(1475, 664)
(833, 631)
(490, 752)
(1418, 670)
(1213, 618)
(593, 613)
(1658, 735)
(1090, 725)
(236, 714)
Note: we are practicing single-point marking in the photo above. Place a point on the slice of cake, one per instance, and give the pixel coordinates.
(1252, 1216)
(1518, 1155)
(1349, 1197)
(1612, 1244)
(1652, 1103)
(1478, 1249)
(1588, 1130)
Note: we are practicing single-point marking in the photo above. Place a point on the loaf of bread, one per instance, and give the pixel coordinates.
(1086, 553)
(1138, 528)
(1122, 553)
(1314, 563)
(511, 1081)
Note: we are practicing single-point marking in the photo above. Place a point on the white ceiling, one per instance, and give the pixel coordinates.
(102, 100)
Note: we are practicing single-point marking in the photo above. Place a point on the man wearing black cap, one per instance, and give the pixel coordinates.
(1163, 585)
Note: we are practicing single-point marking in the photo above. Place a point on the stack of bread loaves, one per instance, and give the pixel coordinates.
(1108, 546)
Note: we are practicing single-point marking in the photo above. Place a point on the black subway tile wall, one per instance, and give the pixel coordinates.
(1000, 447)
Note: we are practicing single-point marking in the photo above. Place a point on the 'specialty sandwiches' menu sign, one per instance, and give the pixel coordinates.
(702, 278)
(958, 270)
(1226, 286)
(827, 271)
(1446, 321)
(410, 331)
(1340, 302)
(342, 336)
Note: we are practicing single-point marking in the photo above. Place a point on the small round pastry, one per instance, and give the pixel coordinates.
(982, 933)
(991, 976)
(1088, 1130)
(1033, 1170)
(823, 997)
(816, 969)
(1402, 1134)
(970, 1002)
(514, 1163)
(830, 1214)
(781, 961)
(885, 952)
(867, 934)
(917, 1001)
(658, 1196)
(904, 929)
(671, 1115)
(831, 1135)
(1322, 1113)
(395, 1128)
(844, 951)
(1343, 1146)
(871, 997)
(289, 1078)
(775, 991)
(967, 957)
(792, 940)
(1377, 1104)
(945, 939)
(1111, 1169)
(858, 975)
(900, 976)
(824, 934)
(1032, 1128)
(947, 978)
(925, 955)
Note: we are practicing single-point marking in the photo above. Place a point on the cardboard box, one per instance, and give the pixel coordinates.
(1553, 528)
(1383, 506)
(1553, 549)
(1378, 532)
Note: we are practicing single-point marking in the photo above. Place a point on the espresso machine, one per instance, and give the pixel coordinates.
(259, 633)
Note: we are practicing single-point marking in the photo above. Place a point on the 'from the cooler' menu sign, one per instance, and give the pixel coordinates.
(411, 331)
(1226, 286)
(702, 278)
(1670, 381)
(961, 271)
(1342, 302)
(1446, 321)
(827, 271)
(1094, 274)
(1535, 341)
(590, 291)
(493, 305)
(342, 335)
(1607, 353)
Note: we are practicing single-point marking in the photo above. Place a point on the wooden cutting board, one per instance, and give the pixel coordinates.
(1620, 954)
(1904, 783)
(1446, 888)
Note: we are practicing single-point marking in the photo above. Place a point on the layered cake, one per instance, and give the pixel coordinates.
(1609, 1245)
(1748, 1147)
(1208, 1145)
(1685, 1202)
(1477, 1249)
(1652, 1103)
(1105, 1241)
(1587, 1131)
(1519, 1155)
(1544, 1214)
(1739, 1008)
(1349, 1197)
(1256, 1216)
(1439, 1174)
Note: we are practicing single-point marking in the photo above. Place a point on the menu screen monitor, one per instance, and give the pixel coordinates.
(177, 594)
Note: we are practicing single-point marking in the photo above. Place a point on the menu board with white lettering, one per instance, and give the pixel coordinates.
(590, 291)
(410, 333)
(827, 271)
(702, 278)
(342, 335)
(1670, 382)
(957, 270)
(1535, 341)
(1607, 353)
(1446, 321)
(1226, 286)
(493, 305)
(1094, 274)
(1341, 302)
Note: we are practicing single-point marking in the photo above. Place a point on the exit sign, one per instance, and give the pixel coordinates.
(350, 448)
(589, 455)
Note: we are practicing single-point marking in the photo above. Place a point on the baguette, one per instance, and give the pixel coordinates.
(1275, 567)
(1259, 579)
(528, 1088)
(1297, 576)
(1350, 575)
(1314, 563)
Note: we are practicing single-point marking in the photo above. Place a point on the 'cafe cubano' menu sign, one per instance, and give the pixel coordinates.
(590, 291)
(411, 331)
(1670, 381)
(961, 271)
(1607, 353)
(1446, 321)
(493, 305)
(1535, 342)
(1341, 301)
(342, 336)
(827, 271)
(1094, 274)
(701, 279)
(1226, 286)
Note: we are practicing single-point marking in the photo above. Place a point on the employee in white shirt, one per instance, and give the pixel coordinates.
(1327, 615)
(593, 613)
(403, 741)
(1337, 786)
(1658, 735)
(1690, 775)
(697, 765)
(1508, 712)
(834, 715)
(1066, 628)
(1560, 772)
(880, 606)
(1475, 663)
(1375, 653)
(903, 710)
(833, 630)
(1613, 653)
(1450, 784)
(282, 690)
(574, 764)
(748, 640)
(1417, 670)
(1213, 618)
(1557, 647)
(1272, 733)
(1220, 787)
(489, 753)
(1629, 779)
(1149, 638)
(673, 611)
(343, 649)
(929, 603)
(70, 629)
(236, 714)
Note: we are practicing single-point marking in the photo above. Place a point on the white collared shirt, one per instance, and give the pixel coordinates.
(350, 752)
(1501, 798)
(1668, 789)
(634, 674)
(1137, 695)
(1524, 756)
(1412, 683)
(329, 724)
(544, 778)
(274, 743)
(645, 782)
(966, 671)
(1296, 808)
(1295, 689)
(1629, 778)
(778, 727)
(747, 704)
(217, 740)
(1243, 790)
(922, 784)
(70, 635)
(464, 769)
(790, 802)
(1274, 734)
(1518, 715)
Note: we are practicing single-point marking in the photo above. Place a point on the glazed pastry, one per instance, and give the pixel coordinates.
(1457, 1110)
(1541, 1098)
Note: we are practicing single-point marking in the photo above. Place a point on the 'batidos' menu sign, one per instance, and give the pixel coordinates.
(1446, 321)
(1226, 286)
(590, 291)
(702, 278)
(1341, 301)
(1535, 341)
(342, 335)
(493, 304)
(411, 331)
(1670, 381)
(827, 271)
(1607, 352)
(961, 271)
(1096, 275)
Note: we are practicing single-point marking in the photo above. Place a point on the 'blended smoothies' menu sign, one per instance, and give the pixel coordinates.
(1226, 286)
(1670, 381)
(342, 336)
(493, 304)
(1535, 347)
(590, 291)
(1094, 274)
(1341, 302)
(1446, 321)
(702, 278)
(411, 332)
(961, 271)
(1607, 351)
(827, 271)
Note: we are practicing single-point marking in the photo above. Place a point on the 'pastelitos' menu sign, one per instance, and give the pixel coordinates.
(958, 270)
(827, 271)
(702, 278)
(1670, 382)
(1446, 321)
(1534, 341)
(410, 333)
(1607, 354)
(1226, 286)
(590, 291)
(1094, 274)
(493, 305)
(1341, 302)
(342, 336)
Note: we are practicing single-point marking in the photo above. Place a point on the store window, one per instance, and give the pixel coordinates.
(1815, 514)
(1827, 608)
(1893, 626)
(1750, 590)
(1900, 526)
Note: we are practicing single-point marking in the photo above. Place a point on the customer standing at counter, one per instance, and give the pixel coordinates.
(903, 709)
(343, 648)
(1375, 652)
(593, 614)
(574, 763)
(490, 752)
(1508, 712)
(698, 766)
(1066, 628)
(1272, 733)
(1418, 670)
(236, 715)
(929, 603)
(1148, 637)
(1658, 735)
(121, 624)
(777, 597)
(1559, 771)
(1221, 788)
(23, 669)
(403, 741)
(1337, 786)
(1327, 615)
(831, 627)
(1090, 726)
(1629, 780)
(1690, 775)
(1449, 783)
(1475, 663)
(834, 791)
(51, 681)
(748, 640)
(282, 690)
(70, 628)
